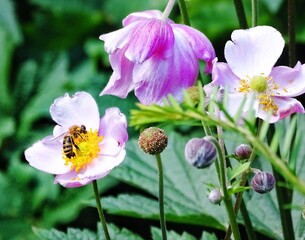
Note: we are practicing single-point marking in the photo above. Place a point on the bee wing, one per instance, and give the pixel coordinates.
(60, 136)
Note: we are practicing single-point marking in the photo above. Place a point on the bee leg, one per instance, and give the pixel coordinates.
(74, 143)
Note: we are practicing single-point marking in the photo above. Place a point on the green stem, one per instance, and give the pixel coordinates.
(291, 32)
(254, 4)
(100, 210)
(239, 200)
(184, 13)
(226, 196)
(240, 11)
(247, 221)
(284, 198)
(161, 197)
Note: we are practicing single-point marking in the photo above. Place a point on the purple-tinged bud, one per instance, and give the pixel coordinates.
(153, 140)
(243, 151)
(215, 196)
(263, 182)
(200, 152)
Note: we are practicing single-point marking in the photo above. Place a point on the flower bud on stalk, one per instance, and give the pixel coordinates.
(194, 93)
(153, 140)
(215, 196)
(263, 182)
(200, 152)
(243, 151)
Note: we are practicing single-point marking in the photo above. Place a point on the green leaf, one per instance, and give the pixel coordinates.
(8, 21)
(208, 236)
(52, 74)
(71, 6)
(77, 234)
(157, 235)
(7, 127)
(237, 170)
(185, 193)
(52, 234)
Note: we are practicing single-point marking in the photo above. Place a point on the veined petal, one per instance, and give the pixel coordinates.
(200, 44)
(98, 168)
(139, 16)
(152, 36)
(291, 81)
(288, 106)
(79, 109)
(157, 77)
(114, 125)
(46, 155)
(120, 83)
(117, 39)
(254, 51)
(223, 76)
(237, 100)
(72, 180)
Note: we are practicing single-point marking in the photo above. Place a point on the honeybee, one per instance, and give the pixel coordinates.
(68, 141)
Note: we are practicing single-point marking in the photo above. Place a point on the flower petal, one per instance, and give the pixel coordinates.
(139, 16)
(46, 155)
(117, 39)
(291, 81)
(254, 51)
(71, 180)
(158, 77)
(149, 37)
(120, 83)
(114, 125)
(79, 109)
(200, 44)
(223, 76)
(287, 106)
(99, 168)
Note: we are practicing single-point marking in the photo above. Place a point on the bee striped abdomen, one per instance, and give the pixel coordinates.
(68, 146)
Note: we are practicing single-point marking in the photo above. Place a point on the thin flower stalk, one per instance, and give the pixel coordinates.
(255, 10)
(161, 197)
(184, 13)
(168, 9)
(100, 210)
(240, 11)
(291, 32)
(226, 196)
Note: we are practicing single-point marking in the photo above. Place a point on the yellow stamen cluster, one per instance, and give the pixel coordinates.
(88, 144)
(265, 87)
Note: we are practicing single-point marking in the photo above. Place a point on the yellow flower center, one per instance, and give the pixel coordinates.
(85, 148)
(265, 87)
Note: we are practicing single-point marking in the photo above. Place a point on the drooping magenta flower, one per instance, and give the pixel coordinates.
(250, 71)
(154, 57)
(83, 147)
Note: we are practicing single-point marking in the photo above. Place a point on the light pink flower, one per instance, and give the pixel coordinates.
(100, 149)
(250, 71)
(154, 57)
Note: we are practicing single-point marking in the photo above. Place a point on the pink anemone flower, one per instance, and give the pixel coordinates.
(154, 57)
(250, 72)
(83, 147)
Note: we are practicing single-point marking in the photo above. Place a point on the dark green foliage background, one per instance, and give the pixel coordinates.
(49, 48)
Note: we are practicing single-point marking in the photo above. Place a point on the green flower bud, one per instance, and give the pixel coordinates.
(194, 93)
(153, 140)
